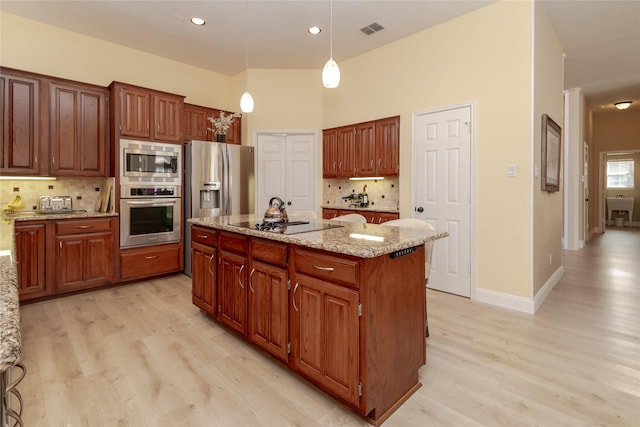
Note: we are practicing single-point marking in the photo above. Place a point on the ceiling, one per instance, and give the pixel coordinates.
(601, 38)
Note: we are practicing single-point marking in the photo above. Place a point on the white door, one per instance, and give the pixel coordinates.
(287, 168)
(442, 193)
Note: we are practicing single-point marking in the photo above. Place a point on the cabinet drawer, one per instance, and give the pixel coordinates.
(147, 262)
(328, 267)
(76, 226)
(204, 236)
(234, 243)
(268, 251)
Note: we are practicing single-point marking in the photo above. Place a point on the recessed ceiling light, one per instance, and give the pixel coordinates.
(623, 105)
(198, 21)
(314, 30)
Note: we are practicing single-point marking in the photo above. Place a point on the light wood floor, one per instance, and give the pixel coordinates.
(142, 355)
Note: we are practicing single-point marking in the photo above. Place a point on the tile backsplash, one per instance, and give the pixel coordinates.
(84, 192)
(382, 193)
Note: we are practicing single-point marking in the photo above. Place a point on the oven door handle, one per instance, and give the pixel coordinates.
(137, 202)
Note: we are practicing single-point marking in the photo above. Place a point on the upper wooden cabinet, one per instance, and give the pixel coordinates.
(364, 149)
(20, 124)
(387, 154)
(330, 153)
(78, 129)
(146, 114)
(196, 125)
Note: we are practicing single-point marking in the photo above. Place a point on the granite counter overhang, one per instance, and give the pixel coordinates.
(33, 216)
(360, 240)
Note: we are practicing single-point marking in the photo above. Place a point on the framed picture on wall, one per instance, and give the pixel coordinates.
(551, 146)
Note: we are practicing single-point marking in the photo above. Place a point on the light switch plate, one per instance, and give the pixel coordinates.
(511, 170)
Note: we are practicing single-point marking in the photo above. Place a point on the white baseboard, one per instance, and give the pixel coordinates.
(512, 302)
(500, 299)
(546, 289)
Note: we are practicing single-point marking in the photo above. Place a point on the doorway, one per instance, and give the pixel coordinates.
(287, 168)
(442, 191)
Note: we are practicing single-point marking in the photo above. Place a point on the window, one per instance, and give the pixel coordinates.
(620, 173)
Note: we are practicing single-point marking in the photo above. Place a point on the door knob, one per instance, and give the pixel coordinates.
(289, 203)
(420, 209)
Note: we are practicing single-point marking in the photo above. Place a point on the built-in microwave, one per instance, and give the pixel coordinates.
(142, 161)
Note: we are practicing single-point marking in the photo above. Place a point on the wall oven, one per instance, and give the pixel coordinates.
(149, 214)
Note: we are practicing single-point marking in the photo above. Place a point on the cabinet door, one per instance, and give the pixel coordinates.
(234, 135)
(195, 123)
(20, 122)
(324, 335)
(83, 261)
(167, 112)
(203, 274)
(346, 152)
(78, 120)
(232, 294)
(31, 259)
(388, 146)
(386, 216)
(366, 149)
(330, 153)
(329, 213)
(135, 108)
(268, 319)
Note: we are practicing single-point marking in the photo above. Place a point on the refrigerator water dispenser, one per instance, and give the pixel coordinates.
(210, 195)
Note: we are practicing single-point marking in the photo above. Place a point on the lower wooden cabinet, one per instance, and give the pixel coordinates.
(31, 253)
(232, 290)
(324, 335)
(84, 250)
(204, 263)
(373, 217)
(149, 261)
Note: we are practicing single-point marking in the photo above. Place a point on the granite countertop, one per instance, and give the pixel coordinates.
(10, 340)
(34, 216)
(367, 209)
(361, 240)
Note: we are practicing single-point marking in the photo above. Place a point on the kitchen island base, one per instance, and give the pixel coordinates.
(353, 326)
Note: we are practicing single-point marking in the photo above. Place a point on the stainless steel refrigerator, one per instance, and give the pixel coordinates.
(219, 180)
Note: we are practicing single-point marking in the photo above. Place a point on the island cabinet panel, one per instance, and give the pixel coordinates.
(232, 292)
(20, 124)
(324, 336)
(78, 120)
(83, 255)
(268, 310)
(31, 253)
(204, 263)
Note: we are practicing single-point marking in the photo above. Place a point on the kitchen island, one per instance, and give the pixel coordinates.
(343, 307)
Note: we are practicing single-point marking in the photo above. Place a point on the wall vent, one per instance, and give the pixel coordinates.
(372, 28)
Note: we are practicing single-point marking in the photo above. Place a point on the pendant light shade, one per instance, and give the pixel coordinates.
(246, 103)
(331, 72)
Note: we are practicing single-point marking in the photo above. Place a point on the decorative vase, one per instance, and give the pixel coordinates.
(220, 137)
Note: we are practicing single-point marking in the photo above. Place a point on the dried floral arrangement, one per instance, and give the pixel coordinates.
(223, 122)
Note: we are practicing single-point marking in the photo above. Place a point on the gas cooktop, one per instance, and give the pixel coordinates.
(291, 227)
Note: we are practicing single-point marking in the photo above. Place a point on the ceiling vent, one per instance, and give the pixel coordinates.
(372, 28)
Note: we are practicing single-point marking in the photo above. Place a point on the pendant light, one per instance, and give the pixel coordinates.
(246, 101)
(331, 72)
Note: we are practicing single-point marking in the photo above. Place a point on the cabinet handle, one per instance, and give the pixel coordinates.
(295, 307)
(202, 236)
(84, 226)
(151, 257)
(240, 277)
(335, 166)
(323, 268)
(371, 164)
(158, 127)
(379, 163)
(253, 270)
(60, 249)
(209, 266)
